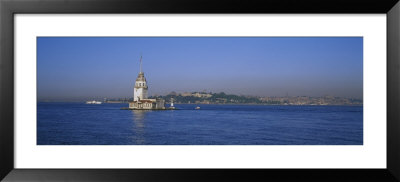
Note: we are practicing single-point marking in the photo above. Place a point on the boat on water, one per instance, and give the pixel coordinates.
(197, 107)
(93, 102)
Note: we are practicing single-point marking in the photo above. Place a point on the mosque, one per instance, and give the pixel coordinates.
(140, 100)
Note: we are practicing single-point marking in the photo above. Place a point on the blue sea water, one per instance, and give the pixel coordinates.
(107, 124)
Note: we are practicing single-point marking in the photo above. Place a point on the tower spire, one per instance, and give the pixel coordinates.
(140, 62)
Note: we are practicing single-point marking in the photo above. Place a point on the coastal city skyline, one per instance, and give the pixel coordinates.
(80, 68)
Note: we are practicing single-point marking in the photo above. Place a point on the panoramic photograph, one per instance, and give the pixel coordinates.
(199, 91)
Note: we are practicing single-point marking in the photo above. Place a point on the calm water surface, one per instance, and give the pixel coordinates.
(107, 124)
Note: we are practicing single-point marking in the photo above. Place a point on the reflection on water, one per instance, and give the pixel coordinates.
(139, 126)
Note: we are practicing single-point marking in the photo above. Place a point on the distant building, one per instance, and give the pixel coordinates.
(197, 94)
(140, 100)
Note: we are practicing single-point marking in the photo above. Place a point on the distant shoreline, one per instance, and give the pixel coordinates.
(254, 104)
(266, 104)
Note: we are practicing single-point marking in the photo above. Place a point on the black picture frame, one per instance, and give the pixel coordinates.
(8, 8)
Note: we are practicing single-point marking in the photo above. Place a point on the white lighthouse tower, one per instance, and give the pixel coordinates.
(140, 89)
(140, 100)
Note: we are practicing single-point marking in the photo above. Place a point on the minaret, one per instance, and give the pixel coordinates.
(140, 89)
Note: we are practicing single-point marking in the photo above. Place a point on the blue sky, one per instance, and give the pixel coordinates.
(98, 67)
